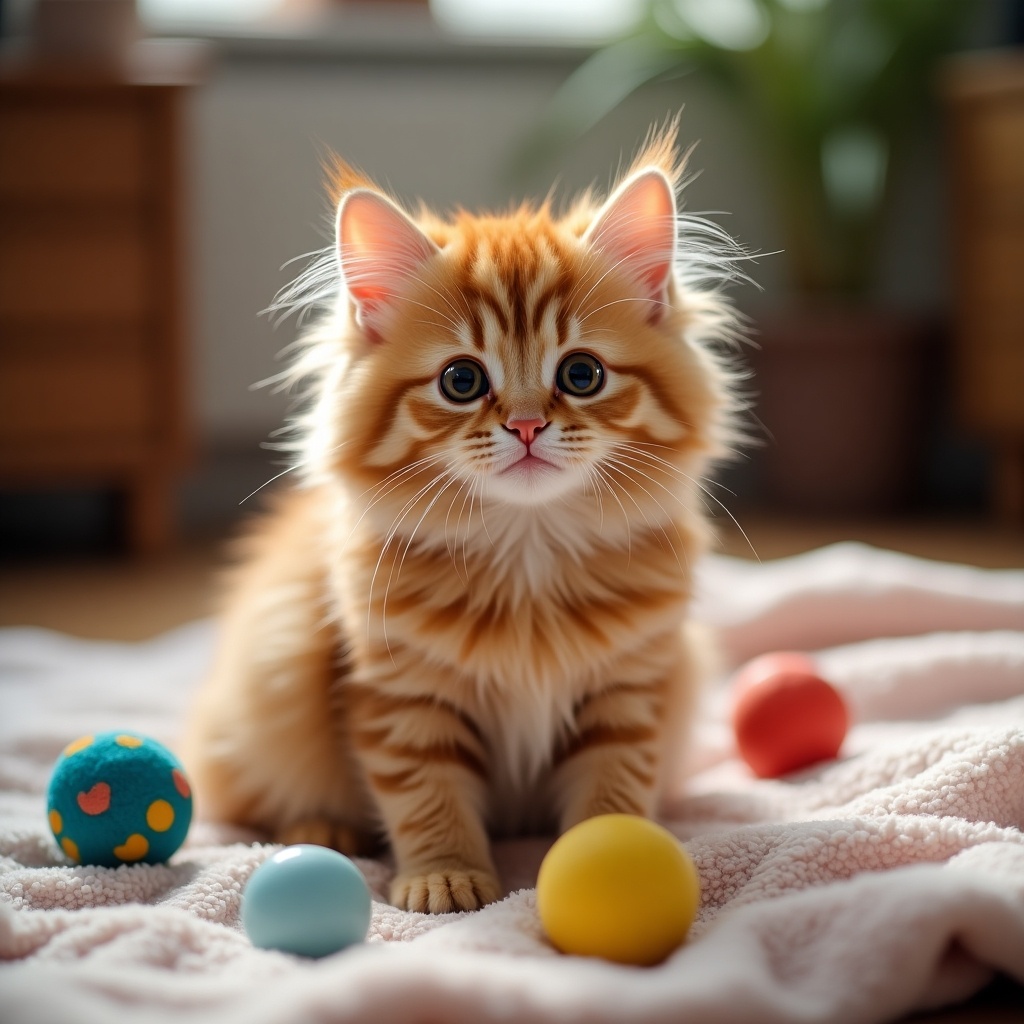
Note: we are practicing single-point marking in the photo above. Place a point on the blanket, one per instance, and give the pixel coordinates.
(887, 881)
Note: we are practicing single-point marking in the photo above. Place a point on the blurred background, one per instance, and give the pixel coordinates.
(161, 179)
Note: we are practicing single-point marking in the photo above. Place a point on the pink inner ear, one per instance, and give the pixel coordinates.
(637, 229)
(380, 248)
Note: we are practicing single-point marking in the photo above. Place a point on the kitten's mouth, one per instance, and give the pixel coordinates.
(529, 464)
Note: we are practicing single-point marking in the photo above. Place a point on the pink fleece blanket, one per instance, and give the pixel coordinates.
(887, 881)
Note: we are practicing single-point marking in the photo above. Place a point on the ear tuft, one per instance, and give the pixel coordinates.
(380, 250)
(636, 228)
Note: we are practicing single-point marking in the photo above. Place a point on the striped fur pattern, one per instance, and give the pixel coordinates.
(468, 618)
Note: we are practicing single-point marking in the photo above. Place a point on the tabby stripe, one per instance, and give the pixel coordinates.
(604, 735)
(621, 689)
(562, 324)
(405, 779)
(486, 298)
(595, 632)
(394, 782)
(620, 406)
(434, 753)
(441, 753)
(379, 705)
(646, 779)
(430, 817)
(625, 804)
(540, 307)
(476, 324)
(661, 395)
(517, 299)
(388, 405)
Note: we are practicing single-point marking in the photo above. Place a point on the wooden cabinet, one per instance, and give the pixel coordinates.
(985, 100)
(92, 315)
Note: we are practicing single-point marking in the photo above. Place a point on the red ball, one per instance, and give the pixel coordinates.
(785, 716)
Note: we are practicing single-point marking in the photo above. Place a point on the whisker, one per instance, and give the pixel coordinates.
(395, 481)
(396, 574)
(629, 298)
(444, 296)
(277, 476)
(398, 473)
(622, 466)
(588, 478)
(696, 483)
(354, 275)
(469, 530)
(668, 468)
(467, 492)
(451, 320)
(609, 483)
(610, 270)
(395, 527)
(483, 519)
(313, 287)
(469, 524)
(285, 471)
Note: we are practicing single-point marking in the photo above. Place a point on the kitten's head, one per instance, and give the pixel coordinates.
(525, 357)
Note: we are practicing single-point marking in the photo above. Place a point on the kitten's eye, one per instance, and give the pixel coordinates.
(464, 380)
(580, 374)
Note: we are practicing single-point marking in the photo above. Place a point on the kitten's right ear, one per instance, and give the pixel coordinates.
(379, 249)
(636, 228)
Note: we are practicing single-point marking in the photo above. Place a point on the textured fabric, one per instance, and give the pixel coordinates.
(890, 880)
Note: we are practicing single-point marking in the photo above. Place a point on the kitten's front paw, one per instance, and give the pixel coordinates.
(443, 889)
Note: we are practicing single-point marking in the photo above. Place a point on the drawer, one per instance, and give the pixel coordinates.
(74, 395)
(74, 267)
(993, 258)
(991, 371)
(68, 149)
(997, 152)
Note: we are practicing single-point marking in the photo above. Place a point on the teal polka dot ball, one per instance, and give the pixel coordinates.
(118, 798)
(307, 900)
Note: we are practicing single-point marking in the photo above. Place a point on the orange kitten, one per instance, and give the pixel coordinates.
(468, 619)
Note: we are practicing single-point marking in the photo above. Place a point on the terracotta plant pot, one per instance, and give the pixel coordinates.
(841, 392)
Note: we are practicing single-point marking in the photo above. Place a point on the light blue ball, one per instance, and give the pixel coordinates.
(307, 900)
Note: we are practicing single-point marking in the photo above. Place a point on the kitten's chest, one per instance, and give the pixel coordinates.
(516, 650)
(538, 642)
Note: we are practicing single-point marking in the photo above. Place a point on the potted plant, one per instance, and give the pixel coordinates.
(831, 91)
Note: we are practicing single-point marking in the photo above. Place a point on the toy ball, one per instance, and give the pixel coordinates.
(785, 716)
(307, 900)
(618, 887)
(118, 798)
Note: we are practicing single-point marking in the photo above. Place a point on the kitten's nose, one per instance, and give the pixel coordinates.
(526, 429)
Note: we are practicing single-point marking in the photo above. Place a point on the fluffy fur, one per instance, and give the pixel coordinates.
(467, 619)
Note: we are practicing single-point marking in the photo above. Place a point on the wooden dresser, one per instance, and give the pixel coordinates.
(92, 314)
(985, 101)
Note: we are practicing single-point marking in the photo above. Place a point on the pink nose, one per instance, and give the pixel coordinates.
(526, 429)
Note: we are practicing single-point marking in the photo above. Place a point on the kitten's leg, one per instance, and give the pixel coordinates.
(264, 747)
(628, 735)
(426, 765)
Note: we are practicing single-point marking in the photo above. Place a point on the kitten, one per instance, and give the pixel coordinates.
(467, 620)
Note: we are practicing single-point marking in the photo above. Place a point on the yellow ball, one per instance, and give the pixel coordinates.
(619, 887)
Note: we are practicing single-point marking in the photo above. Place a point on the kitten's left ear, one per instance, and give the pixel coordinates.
(380, 249)
(636, 227)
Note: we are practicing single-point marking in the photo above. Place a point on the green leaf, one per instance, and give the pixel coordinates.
(593, 90)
